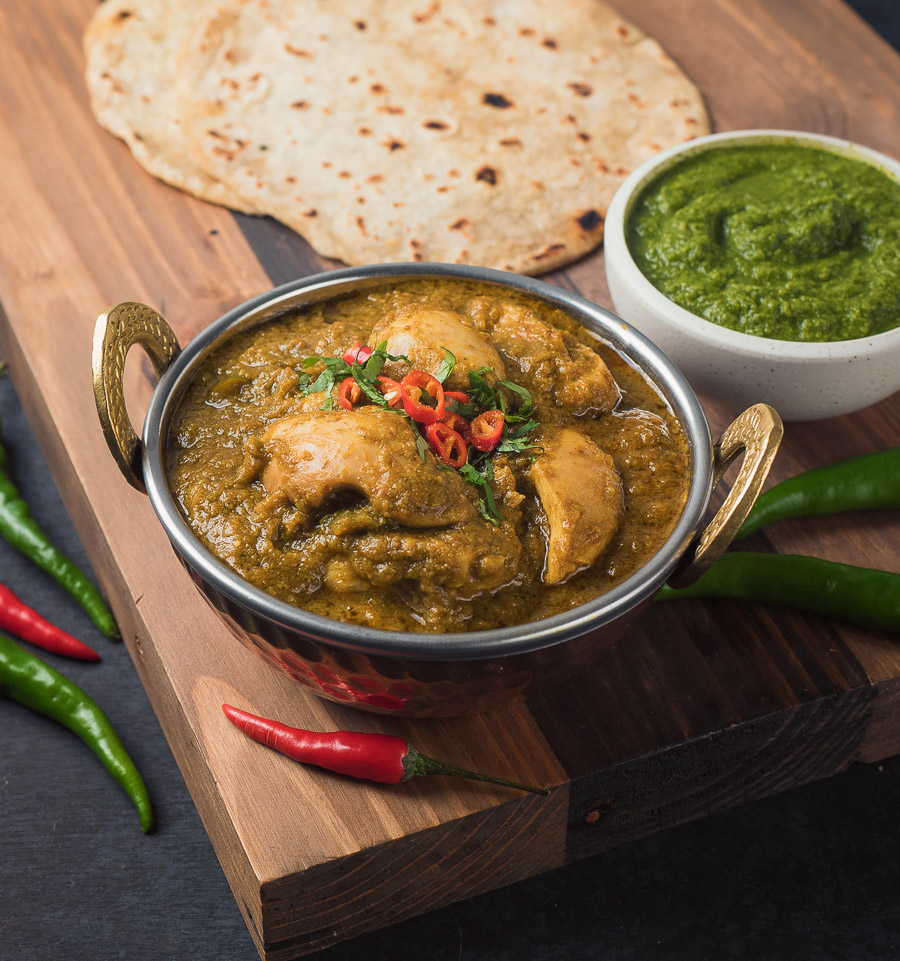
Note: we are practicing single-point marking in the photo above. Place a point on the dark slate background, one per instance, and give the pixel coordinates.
(812, 874)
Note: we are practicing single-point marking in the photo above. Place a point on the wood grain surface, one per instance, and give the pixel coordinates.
(700, 706)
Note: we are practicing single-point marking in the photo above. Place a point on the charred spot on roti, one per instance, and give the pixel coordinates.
(488, 175)
(583, 135)
(360, 24)
(511, 142)
(360, 222)
(549, 251)
(590, 220)
(460, 224)
(424, 17)
(582, 89)
(312, 212)
(496, 100)
(297, 51)
(124, 14)
(550, 43)
(392, 144)
(299, 105)
(435, 125)
(526, 32)
(345, 174)
(377, 88)
(489, 21)
(364, 131)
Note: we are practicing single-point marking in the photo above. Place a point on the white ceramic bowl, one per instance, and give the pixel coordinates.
(801, 380)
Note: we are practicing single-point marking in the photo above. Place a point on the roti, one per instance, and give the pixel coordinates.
(130, 51)
(460, 131)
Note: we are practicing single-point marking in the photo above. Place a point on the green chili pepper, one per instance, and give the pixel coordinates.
(869, 482)
(19, 528)
(30, 681)
(859, 595)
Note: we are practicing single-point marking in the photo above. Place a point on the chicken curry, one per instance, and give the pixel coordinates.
(431, 456)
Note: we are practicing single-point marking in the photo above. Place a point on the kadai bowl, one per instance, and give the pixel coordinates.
(424, 489)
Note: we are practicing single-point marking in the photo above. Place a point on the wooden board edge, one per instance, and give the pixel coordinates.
(745, 762)
(882, 738)
(419, 873)
(240, 876)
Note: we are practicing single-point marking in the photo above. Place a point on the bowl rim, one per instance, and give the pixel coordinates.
(618, 255)
(468, 645)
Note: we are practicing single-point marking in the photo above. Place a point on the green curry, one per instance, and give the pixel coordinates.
(775, 240)
(338, 508)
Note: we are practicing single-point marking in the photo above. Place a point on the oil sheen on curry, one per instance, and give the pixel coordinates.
(484, 462)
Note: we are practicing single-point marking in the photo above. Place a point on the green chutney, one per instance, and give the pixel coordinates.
(776, 240)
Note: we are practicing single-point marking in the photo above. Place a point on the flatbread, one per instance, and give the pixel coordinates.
(461, 131)
(130, 51)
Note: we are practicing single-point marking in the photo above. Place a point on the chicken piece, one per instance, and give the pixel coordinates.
(315, 454)
(550, 361)
(469, 559)
(581, 493)
(421, 332)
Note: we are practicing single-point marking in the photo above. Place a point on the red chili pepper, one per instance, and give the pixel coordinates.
(459, 424)
(447, 444)
(349, 393)
(413, 385)
(487, 428)
(374, 757)
(357, 354)
(393, 392)
(21, 620)
(457, 396)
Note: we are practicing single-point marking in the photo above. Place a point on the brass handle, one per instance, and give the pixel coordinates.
(117, 331)
(757, 432)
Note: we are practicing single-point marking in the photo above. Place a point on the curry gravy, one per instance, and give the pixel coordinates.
(346, 560)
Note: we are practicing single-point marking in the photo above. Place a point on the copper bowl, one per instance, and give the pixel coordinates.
(406, 673)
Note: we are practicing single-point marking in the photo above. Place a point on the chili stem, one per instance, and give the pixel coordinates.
(420, 764)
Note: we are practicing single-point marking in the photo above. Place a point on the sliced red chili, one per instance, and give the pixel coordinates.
(357, 354)
(458, 423)
(412, 387)
(487, 428)
(447, 444)
(457, 396)
(349, 393)
(391, 389)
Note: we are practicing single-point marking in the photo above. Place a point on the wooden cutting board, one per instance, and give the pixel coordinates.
(700, 706)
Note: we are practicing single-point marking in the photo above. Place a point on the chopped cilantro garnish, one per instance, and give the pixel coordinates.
(446, 368)
(478, 471)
